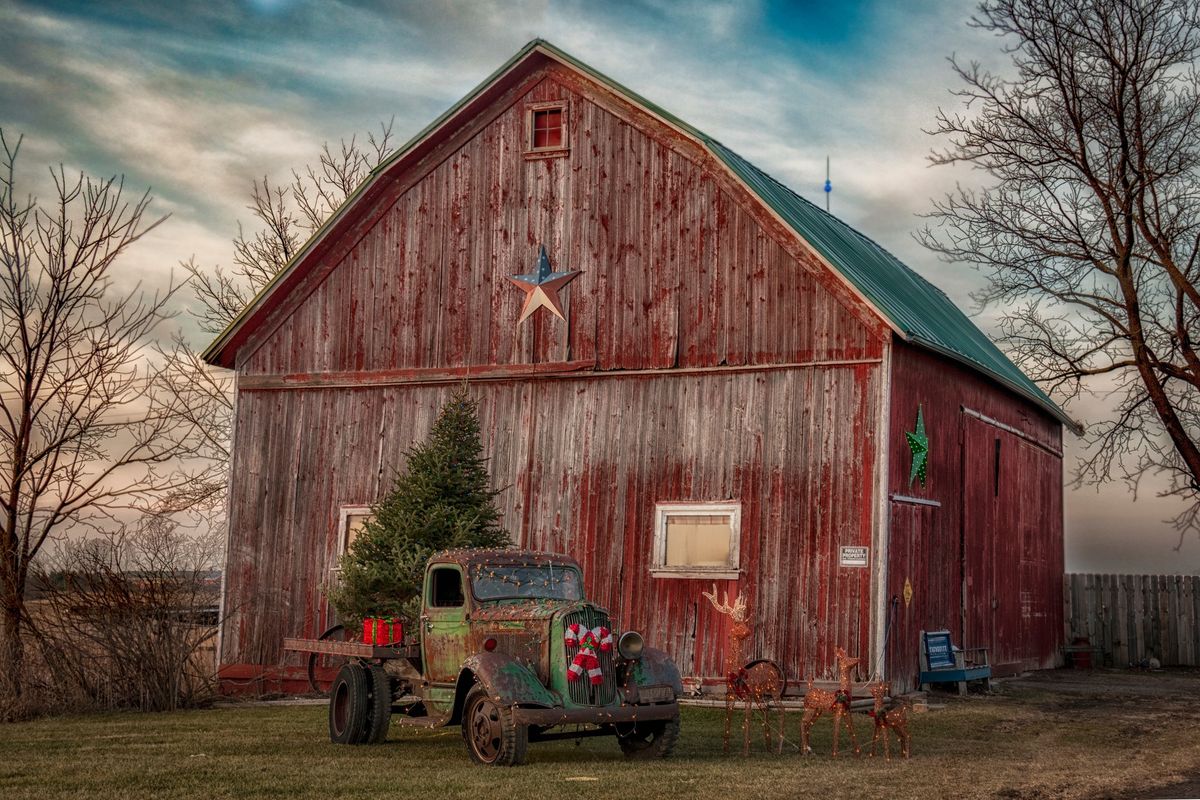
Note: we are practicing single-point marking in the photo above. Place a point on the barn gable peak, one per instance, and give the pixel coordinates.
(913, 308)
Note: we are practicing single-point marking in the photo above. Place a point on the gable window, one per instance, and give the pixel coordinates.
(696, 540)
(547, 130)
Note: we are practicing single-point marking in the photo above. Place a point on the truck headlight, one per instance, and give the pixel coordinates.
(631, 645)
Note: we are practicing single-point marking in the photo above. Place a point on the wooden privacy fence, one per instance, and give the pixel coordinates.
(1131, 618)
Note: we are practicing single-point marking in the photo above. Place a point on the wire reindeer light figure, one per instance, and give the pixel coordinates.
(755, 684)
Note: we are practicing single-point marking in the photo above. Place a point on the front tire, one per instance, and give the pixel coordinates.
(492, 738)
(644, 741)
(349, 705)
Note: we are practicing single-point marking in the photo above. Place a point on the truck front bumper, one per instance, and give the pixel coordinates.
(596, 715)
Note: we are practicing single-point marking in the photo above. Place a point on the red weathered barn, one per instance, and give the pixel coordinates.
(725, 398)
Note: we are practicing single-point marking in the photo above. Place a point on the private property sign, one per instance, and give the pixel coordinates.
(853, 556)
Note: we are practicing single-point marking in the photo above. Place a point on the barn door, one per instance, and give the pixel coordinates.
(904, 537)
(992, 541)
(919, 580)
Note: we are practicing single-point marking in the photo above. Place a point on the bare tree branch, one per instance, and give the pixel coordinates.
(1089, 233)
(85, 431)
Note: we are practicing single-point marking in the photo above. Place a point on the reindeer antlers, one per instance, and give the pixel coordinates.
(737, 611)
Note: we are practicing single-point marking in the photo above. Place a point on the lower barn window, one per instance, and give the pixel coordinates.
(351, 520)
(696, 540)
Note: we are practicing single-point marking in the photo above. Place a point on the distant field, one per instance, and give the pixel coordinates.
(1024, 741)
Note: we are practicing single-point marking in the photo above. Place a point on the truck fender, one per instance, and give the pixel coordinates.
(508, 680)
(656, 668)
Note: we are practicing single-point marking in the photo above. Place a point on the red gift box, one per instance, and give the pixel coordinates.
(379, 631)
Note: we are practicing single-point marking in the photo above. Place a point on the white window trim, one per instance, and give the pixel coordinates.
(658, 567)
(343, 518)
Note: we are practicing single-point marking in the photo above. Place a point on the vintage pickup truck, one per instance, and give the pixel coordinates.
(508, 647)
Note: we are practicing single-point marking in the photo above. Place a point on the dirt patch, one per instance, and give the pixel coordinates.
(1103, 685)
(1138, 705)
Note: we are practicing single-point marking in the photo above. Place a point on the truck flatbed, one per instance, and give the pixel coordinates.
(352, 649)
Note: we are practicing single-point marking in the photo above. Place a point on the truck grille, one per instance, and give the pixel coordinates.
(582, 691)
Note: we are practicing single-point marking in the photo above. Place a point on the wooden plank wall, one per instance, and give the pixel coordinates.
(678, 268)
(685, 282)
(1131, 618)
(1002, 537)
(580, 463)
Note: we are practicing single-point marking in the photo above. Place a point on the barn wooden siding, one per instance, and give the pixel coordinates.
(680, 267)
(986, 561)
(581, 463)
(1130, 618)
(707, 356)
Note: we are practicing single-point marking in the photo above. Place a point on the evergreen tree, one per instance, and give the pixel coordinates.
(441, 501)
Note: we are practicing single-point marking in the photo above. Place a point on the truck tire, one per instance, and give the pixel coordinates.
(379, 710)
(648, 740)
(492, 738)
(349, 702)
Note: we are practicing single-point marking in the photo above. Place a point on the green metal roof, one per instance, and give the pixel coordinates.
(916, 309)
(920, 311)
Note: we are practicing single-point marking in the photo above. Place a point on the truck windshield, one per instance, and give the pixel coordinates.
(509, 581)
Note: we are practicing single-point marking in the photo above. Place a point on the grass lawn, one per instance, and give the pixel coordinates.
(1021, 742)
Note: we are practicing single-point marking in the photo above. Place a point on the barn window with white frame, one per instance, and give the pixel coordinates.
(351, 520)
(696, 540)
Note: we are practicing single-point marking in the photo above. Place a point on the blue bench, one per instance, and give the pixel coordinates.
(942, 662)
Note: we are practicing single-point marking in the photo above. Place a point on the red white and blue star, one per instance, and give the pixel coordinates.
(541, 287)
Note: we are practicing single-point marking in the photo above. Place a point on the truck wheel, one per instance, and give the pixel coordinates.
(348, 705)
(493, 739)
(379, 709)
(647, 740)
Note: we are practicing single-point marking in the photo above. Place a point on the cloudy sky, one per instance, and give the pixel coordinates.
(195, 100)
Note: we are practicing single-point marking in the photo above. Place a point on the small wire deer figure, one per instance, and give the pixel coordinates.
(754, 685)
(818, 701)
(894, 720)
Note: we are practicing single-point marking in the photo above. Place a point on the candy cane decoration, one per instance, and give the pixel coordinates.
(589, 641)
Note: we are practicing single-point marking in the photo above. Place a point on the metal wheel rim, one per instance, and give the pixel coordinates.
(486, 730)
(341, 707)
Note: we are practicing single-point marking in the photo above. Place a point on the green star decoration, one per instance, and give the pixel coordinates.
(918, 442)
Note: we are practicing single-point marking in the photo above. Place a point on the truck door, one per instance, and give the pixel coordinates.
(444, 624)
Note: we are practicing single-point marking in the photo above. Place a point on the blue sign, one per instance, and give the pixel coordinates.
(939, 650)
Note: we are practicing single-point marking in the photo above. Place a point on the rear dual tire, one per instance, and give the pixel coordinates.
(360, 705)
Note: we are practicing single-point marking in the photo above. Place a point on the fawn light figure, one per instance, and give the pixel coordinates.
(894, 719)
(754, 684)
(818, 701)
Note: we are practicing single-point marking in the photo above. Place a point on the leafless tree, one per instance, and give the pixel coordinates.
(1089, 232)
(84, 432)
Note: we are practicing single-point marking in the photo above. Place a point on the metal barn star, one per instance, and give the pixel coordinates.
(918, 442)
(541, 287)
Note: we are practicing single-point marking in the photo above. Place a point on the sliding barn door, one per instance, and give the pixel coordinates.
(1010, 561)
